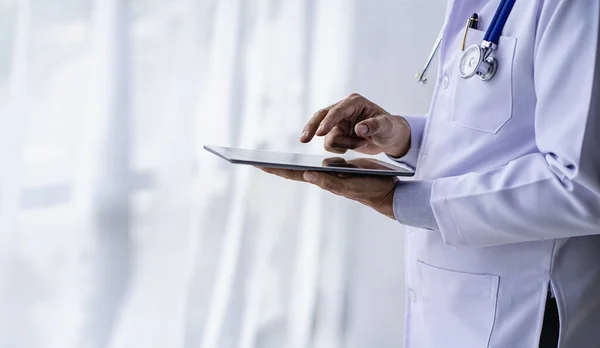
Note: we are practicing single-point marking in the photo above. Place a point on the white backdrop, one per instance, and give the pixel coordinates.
(117, 229)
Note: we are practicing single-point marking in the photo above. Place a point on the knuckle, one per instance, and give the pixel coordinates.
(354, 95)
(379, 124)
(386, 120)
(336, 112)
(385, 124)
(337, 108)
(376, 125)
(317, 115)
(320, 111)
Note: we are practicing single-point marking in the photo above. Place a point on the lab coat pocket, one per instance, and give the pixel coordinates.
(458, 308)
(485, 105)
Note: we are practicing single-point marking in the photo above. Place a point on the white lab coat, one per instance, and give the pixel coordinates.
(516, 191)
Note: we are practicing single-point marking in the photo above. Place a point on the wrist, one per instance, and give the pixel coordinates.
(386, 205)
(401, 138)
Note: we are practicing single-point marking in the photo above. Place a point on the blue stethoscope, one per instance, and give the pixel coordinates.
(478, 59)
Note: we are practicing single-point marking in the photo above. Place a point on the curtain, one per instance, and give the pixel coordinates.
(118, 230)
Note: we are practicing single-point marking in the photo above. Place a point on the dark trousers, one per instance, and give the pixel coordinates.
(551, 326)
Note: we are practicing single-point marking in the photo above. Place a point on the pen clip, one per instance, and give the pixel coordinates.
(471, 23)
(464, 40)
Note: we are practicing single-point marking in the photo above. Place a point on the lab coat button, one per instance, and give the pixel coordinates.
(445, 82)
(412, 295)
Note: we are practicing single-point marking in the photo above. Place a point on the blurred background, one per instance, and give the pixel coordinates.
(118, 230)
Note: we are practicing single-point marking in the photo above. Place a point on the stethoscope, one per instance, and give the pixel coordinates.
(477, 59)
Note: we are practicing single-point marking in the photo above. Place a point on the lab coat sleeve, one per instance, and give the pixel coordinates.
(417, 125)
(553, 193)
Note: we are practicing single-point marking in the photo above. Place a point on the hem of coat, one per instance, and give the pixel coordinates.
(442, 211)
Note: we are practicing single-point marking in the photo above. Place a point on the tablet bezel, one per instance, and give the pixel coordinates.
(226, 154)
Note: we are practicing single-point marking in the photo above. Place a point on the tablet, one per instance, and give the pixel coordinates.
(295, 161)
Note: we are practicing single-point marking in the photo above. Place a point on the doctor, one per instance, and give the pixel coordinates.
(503, 244)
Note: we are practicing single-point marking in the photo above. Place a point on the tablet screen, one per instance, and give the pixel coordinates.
(295, 161)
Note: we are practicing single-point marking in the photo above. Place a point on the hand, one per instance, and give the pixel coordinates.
(356, 123)
(372, 191)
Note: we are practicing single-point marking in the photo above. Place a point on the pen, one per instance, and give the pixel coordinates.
(472, 23)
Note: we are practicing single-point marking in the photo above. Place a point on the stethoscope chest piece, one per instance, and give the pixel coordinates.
(476, 60)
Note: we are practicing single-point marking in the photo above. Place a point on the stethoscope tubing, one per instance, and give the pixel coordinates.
(499, 21)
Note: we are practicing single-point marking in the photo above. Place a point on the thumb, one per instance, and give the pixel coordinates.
(373, 126)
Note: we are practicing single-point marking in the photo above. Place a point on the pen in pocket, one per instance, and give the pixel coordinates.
(472, 23)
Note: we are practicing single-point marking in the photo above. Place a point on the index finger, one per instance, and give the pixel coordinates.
(309, 130)
(344, 110)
